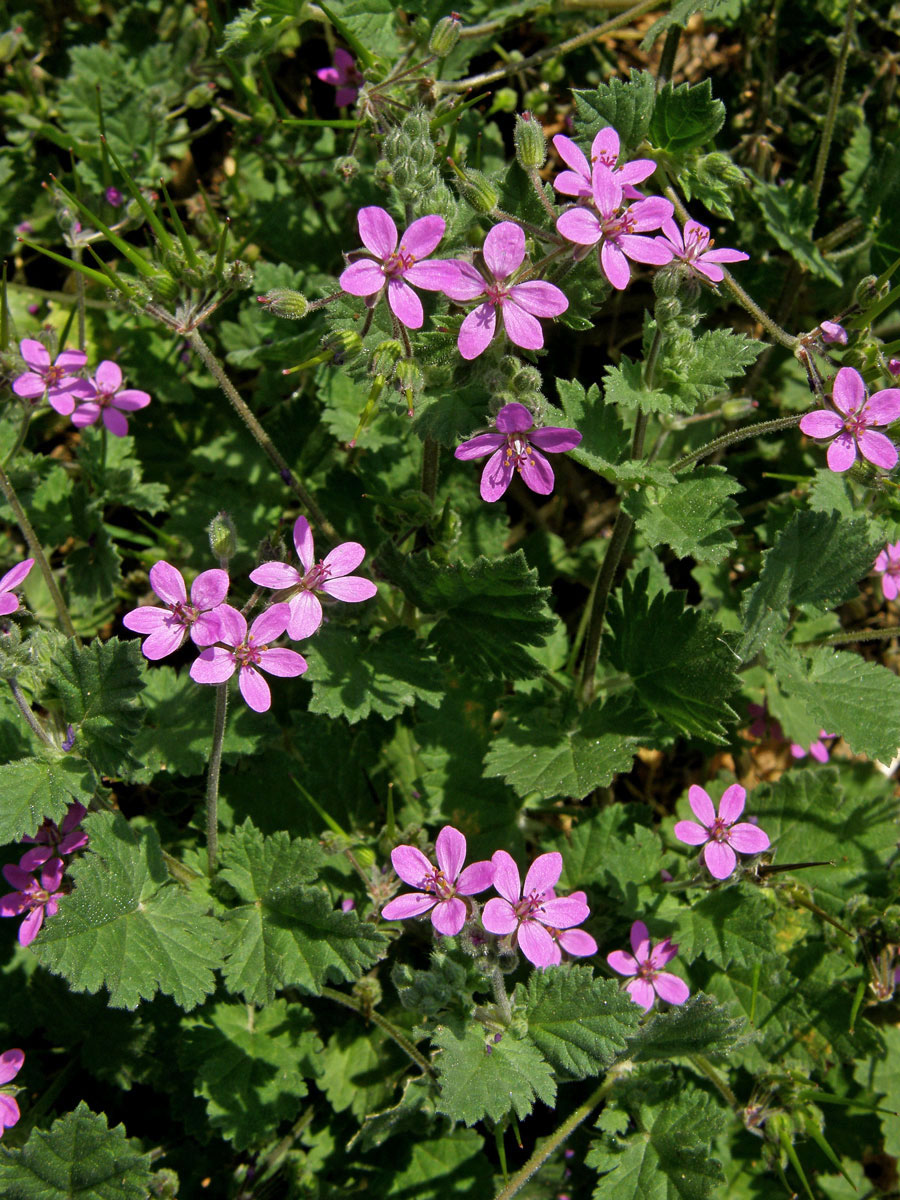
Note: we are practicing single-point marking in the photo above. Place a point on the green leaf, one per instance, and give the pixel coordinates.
(416, 1101)
(627, 105)
(604, 439)
(127, 926)
(285, 933)
(579, 1024)
(678, 14)
(612, 849)
(789, 213)
(685, 117)
(480, 1078)
(115, 471)
(681, 665)
(699, 1026)
(79, 1156)
(359, 1069)
(726, 925)
(711, 179)
(454, 1164)
(695, 373)
(37, 788)
(624, 387)
(694, 516)
(883, 1078)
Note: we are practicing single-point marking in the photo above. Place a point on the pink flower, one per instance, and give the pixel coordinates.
(695, 249)
(573, 942)
(850, 427)
(53, 840)
(10, 1065)
(519, 304)
(764, 725)
(13, 577)
(832, 332)
(887, 564)
(344, 75)
(719, 834)
(53, 380)
(396, 268)
(645, 963)
(107, 401)
(517, 447)
(531, 913)
(618, 228)
(114, 197)
(604, 149)
(441, 886)
(817, 749)
(169, 626)
(32, 897)
(330, 576)
(250, 652)
(894, 366)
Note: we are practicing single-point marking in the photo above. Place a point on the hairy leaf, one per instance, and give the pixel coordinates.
(611, 849)
(727, 925)
(685, 117)
(35, 788)
(694, 516)
(482, 1078)
(627, 105)
(699, 1026)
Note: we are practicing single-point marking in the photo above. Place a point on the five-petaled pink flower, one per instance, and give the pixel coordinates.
(851, 427)
(249, 651)
(54, 840)
(695, 249)
(618, 228)
(515, 447)
(330, 576)
(887, 564)
(36, 898)
(604, 149)
(10, 1065)
(646, 963)
(719, 834)
(54, 380)
(396, 267)
(817, 749)
(531, 912)
(440, 886)
(169, 626)
(106, 401)
(519, 304)
(13, 577)
(344, 75)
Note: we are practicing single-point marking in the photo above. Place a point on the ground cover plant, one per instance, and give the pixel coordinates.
(449, 600)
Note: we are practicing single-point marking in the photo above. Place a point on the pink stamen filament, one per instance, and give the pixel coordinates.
(437, 884)
(518, 451)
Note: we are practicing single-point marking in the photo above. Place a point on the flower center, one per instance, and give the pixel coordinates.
(401, 260)
(529, 905)
(54, 376)
(185, 614)
(855, 423)
(518, 452)
(315, 577)
(696, 243)
(617, 224)
(719, 831)
(647, 971)
(496, 293)
(248, 654)
(436, 883)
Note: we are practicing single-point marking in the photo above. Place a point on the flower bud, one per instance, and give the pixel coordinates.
(444, 35)
(10, 41)
(668, 310)
(669, 280)
(163, 286)
(386, 355)
(505, 100)
(342, 345)
(894, 366)
(478, 191)
(530, 143)
(348, 166)
(865, 290)
(222, 538)
(284, 302)
(738, 407)
(368, 990)
(721, 167)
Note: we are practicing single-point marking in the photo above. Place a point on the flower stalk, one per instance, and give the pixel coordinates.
(212, 778)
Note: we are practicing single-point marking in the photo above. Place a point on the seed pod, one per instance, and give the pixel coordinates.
(530, 143)
(222, 538)
(444, 35)
(284, 302)
(478, 191)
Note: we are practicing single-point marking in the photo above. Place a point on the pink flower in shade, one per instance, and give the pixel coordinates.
(849, 429)
(440, 886)
(515, 447)
(249, 651)
(330, 576)
(818, 749)
(9, 602)
(695, 249)
(887, 564)
(32, 897)
(719, 834)
(573, 942)
(646, 963)
(519, 304)
(108, 402)
(617, 228)
(53, 840)
(53, 380)
(764, 725)
(894, 366)
(604, 149)
(396, 267)
(169, 626)
(10, 1065)
(834, 333)
(533, 911)
(344, 75)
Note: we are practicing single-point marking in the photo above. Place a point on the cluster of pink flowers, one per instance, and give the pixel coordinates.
(221, 633)
(11, 1062)
(38, 896)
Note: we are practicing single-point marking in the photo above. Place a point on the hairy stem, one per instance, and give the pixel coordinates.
(848, 638)
(498, 983)
(77, 254)
(377, 1019)
(737, 435)
(36, 727)
(667, 61)
(833, 101)
(20, 439)
(705, 1067)
(430, 465)
(212, 777)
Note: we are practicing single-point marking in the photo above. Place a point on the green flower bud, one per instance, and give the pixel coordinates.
(530, 143)
(721, 167)
(164, 1185)
(386, 355)
(239, 275)
(865, 290)
(478, 191)
(10, 41)
(505, 100)
(368, 990)
(222, 538)
(738, 407)
(164, 286)
(668, 310)
(384, 174)
(669, 280)
(342, 345)
(348, 166)
(444, 35)
(284, 302)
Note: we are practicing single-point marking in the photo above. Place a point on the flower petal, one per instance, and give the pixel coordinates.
(9, 1112)
(476, 877)
(449, 916)
(498, 917)
(670, 988)
(362, 278)
(720, 859)
(691, 833)
(543, 874)
(306, 616)
(35, 354)
(504, 249)
(823, 423)
(747, 838)
(622, 962)
(254, 689)
(572, 155)
(521, 327)
(732, 803)
(213, 665)
(303, 542)
(645, 249)
(450, 850)
(581, 226)
(29, 385)
(479, 446)
(209, 588)
(537, 945)
(436, 276)
(640, 940)
(423, 236)
(270, 624)
(571, 183)
(463, 282)
(615, 265)
(506, 876)
(275, 575)
(280, 661)
(842, 452)
(555, 439)
(10, 1064)
(877, 448)
(352, 589)
(514, 418)
(537, 473)
(496, 476)
(131, 400)
(15, 575)
(411, 865)
(405, 304)
(701, 806)
(476, 331)
(164, 641)
(168, 583)
(107, 377)
(146, 619)
(539, 298)
(378, 231)
(115, 422)
(577, 942)
(563, 912)
(411, 904)
(883, 407)
(848, 391)
(642, 993)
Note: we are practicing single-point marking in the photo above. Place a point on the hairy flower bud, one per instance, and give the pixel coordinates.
(284, 302)
(530, 143)
(347, 166)
(368, 990)
(386, 355)
(164, 286)
(444, 35)
(478, 191)
(342, 345)
(222, 538)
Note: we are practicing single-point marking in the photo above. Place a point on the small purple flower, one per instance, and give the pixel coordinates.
(114, 197)
(576, 943)
(833, 333)
(107, 401)
(719, 834)
(396, 267)
(618, 228)
(249, 651)
(10, 1065)
(695, 249)
(817, 749)
(53, 380)
(515, 447)
(887, 564)
(604, 149)
(764, 725)
(9, 602)
(440, 886)
(894, 366)
(531, 912)
(849, 429)
(519, 304)
(32, 897)
(645, 964)
(330, 576)
(169, 626)
(52, 840)
(344, 75)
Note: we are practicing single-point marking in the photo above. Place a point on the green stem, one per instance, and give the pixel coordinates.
(737, 435)
(377, 1019)
(498, 983)
(667, 59)
(77, 253)
(706, 1068)
(212, 778)
(36, 727)
(833, 101)
(20, 440)
(849, 638)
(37, 553)
(430, 465)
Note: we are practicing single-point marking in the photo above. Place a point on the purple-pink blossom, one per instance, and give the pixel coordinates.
(51, 379)
(849, 430)
(515, 447)
(107, 401)
(887, 564)
(645, 963)
(331, 577)
(604, 149)
(36, 898)
(52, 840)
(10, 1065)
(530, 912)
(764, 724)
(695, 249)
(817, 749)
(16, 575)
(833, 333)
(343, 75)
(519, 304)
(169, 626)
(618, 228)
(396, 267)
(440, 887)
(250, 653)
(719, 834)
